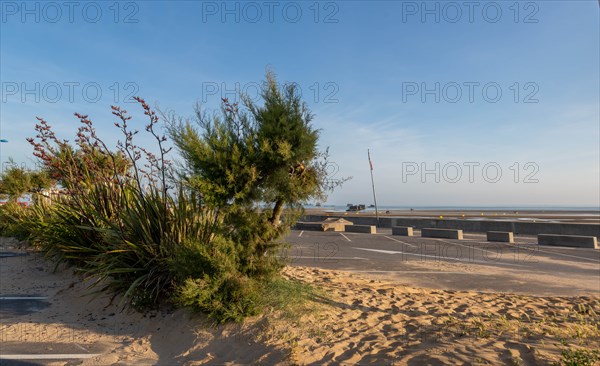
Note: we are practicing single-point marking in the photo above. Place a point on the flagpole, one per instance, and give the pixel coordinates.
(373, 185)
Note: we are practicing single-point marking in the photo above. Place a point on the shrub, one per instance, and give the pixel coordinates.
(579, 357)
(228, 297)
(124, 221)
(208, 240)
(253, 163)
(12, 216)
(120, 220)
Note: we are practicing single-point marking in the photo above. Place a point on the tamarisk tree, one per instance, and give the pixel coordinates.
(16, 181)
(252, 161)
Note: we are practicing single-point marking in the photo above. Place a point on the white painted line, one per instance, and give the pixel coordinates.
(381, 251)
(462, 245)
(536, 246)
(401, 242)
(301, 232)
(81, 347)
(328, 258)
(10, 298)
(345, 237)
(442, 272)
(440, 257)
(567, 255)
(57, 356)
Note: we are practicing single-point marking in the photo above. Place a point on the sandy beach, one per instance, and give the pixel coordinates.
(353, 319)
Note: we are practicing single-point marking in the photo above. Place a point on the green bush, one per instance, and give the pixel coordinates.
(138, 231)
(206, 236)
(579, 357)
(231, 297)
(21, 222)
(144, 252)
(228, 297)
(10, 214)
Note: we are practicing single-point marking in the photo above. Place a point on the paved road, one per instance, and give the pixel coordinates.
(45, 353)
(470, 264)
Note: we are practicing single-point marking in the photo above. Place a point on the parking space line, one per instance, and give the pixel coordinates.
(11, 254)
(48, 356)
(81, 347)
(328, 258)
(381, 251)
(345, 237)
(435, 272)
(536, 249)
(401, 242)
(462, 245)
(572, 256)
(474, 261)
(301, 232)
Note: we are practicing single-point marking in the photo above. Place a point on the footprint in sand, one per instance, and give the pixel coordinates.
(525, 354)
(461, 308)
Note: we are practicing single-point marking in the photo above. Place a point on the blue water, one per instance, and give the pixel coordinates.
(467, 208)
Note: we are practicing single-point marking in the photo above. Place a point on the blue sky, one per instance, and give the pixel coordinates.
(517, 85)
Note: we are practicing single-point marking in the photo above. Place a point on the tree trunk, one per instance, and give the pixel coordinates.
(277, 210)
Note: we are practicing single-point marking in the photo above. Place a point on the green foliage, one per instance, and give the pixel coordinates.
(154, 246)
(262, 154)
(287, 145)
(133, 232)
(15, 220)
(40, 180)
(227, 297)
(291, 297)
(579, 357)
(219, 161)
(121, 226)
(16, 181)
(231, 297)
(209, 241)
(251, 163)
(88, 164)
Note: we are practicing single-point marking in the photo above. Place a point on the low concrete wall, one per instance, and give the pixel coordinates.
(442, 233)
(503, 236)
(478, 226)
(369, 229)
(568, 241)
(311, 226)
(402, 230)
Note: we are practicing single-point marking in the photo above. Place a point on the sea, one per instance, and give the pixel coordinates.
(342, 208)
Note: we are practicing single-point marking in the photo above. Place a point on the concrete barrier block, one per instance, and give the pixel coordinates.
(369, 229)
(503, 236)
(309, 226)
(442, 233)
(402, 230)
(578, 241)
(478, 226)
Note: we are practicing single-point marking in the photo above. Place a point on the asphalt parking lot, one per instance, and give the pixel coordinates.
(469, 264)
